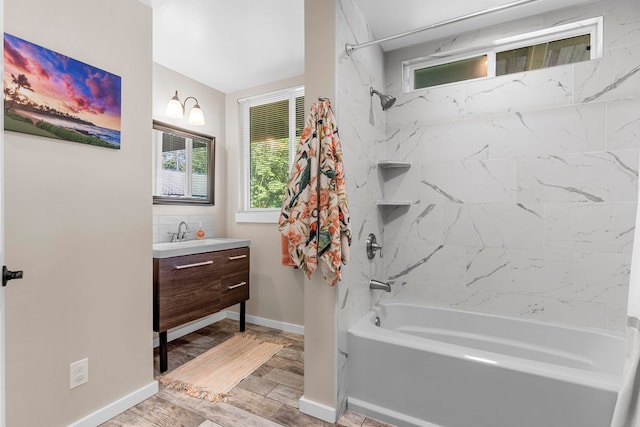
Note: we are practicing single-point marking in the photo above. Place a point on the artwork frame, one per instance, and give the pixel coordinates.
(51, 95)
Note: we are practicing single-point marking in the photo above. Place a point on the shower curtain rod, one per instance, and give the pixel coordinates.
(349, 48)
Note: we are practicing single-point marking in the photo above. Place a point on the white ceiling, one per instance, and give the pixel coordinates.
(235, 44)
(229, 44)
(413, 14)
(390, 17)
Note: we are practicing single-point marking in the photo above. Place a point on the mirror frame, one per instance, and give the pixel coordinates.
(167, 200)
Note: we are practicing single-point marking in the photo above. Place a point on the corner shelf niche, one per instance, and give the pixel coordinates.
(393, 164)
(391, 203)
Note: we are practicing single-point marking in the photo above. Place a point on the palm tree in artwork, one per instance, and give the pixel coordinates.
(20, 82)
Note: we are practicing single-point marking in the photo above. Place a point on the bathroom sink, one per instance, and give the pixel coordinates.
(189, 247)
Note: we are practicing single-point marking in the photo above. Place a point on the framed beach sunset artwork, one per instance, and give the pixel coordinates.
(49, 94)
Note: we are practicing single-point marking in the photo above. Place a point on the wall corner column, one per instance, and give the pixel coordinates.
(320, 314)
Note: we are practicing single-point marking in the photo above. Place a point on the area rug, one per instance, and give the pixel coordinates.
(213, 374)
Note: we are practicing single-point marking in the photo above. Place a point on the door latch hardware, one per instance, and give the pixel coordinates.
(10, 275)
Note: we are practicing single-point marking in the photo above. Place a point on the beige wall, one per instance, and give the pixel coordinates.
(78, 222)
(212, 102)
(277, 292)
(320, 311)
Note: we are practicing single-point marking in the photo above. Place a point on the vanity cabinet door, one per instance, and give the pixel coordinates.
(186, 288)
(233, 266)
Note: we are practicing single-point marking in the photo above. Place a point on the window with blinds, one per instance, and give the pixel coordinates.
(272, 125)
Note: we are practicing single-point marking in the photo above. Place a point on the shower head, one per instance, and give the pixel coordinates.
(386, 101)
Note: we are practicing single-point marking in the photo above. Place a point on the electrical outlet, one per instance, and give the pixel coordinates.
(78, 373)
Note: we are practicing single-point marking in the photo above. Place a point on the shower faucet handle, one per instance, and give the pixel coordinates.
(373, 246)
(376, 247)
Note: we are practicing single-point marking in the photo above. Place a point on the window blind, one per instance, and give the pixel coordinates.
(271, 123)
(300, 115)
(172, 142)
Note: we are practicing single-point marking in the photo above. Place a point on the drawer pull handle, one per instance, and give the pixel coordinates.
(236, 286)
(233, 258)
(197, 264)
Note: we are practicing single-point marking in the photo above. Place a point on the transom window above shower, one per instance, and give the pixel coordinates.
(559, 45)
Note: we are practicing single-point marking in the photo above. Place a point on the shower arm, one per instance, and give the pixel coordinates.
(350, 48)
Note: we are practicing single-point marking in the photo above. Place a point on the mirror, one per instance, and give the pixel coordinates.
(183, 166)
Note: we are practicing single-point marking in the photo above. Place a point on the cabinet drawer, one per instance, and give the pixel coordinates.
(232, 260)
(234, 271)
(185, 289)
(184, 267)
(234, 288)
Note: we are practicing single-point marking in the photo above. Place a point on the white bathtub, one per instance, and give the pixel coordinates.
(428, 366)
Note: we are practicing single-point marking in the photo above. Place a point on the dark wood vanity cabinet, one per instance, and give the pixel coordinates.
(189, 287)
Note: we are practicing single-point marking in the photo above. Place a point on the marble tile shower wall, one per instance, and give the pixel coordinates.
(361, 124)
(523, 187)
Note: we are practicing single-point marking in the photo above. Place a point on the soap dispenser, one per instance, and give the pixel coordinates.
(200, 233)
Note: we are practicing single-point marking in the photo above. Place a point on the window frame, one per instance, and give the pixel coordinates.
(157, 166)
(246, 212)
(592, 26)
(411, 68)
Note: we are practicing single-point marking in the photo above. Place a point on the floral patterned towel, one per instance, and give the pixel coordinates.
(315, 213)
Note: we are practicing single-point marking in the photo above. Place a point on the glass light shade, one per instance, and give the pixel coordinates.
(174, 109)
(196, 117)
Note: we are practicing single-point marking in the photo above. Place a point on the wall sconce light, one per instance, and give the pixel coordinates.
(175, 110)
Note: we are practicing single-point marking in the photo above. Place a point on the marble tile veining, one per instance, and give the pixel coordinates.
(469, 181)
(589, 177)
(590, 227)
(623, 124)
(501, 225)
(362, 130)
(562, 130)
(523, 188)
(615, 76)
(521, 91)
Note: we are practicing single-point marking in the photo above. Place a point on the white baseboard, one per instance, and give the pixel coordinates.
(317, 410)
(210, 320)
(117, 407)
(283, 326)
(181, 331)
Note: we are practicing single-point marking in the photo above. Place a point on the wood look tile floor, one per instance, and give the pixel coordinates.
(268, 397)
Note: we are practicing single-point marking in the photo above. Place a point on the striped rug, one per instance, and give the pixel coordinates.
(213, 374)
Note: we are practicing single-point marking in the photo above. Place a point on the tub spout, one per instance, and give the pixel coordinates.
(377, 284)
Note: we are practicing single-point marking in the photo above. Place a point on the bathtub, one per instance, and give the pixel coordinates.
(426, 366)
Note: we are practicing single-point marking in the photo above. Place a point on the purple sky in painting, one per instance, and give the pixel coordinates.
(63, 83)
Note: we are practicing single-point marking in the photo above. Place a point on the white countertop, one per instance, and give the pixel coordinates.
(190, 247)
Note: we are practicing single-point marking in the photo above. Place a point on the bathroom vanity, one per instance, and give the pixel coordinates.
(195, 279)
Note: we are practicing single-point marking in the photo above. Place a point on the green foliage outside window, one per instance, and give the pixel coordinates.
(199, 158)
(269, 173)
(270, 127)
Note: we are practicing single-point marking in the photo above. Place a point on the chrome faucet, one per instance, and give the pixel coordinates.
(377, 284)
(181, 236)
